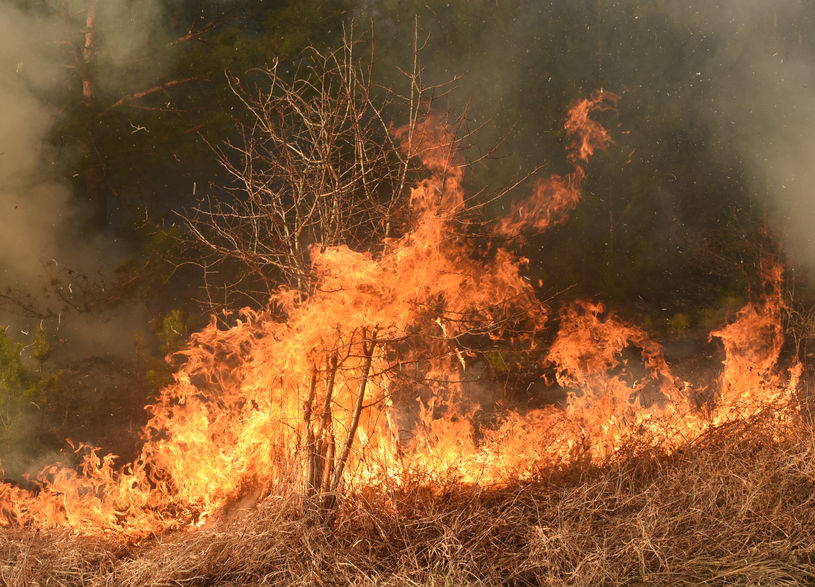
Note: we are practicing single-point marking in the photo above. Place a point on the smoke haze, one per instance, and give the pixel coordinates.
(47, 260)
(764, 85)
(718, 98)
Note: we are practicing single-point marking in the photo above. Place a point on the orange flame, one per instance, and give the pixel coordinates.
(752, 343)
(553, 198)
(367, 379)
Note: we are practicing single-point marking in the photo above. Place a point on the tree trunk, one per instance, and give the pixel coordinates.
(93, 169)
(368, 350)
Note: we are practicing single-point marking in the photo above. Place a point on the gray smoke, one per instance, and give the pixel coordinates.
(48, 266)
(764, 87)
(53, 273)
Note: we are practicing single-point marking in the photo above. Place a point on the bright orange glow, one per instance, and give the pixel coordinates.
(554, 197)
(370, 378)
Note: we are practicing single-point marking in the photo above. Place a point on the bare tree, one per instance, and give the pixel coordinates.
(315, 164)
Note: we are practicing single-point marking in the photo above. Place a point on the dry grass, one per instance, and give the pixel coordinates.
(736, 507)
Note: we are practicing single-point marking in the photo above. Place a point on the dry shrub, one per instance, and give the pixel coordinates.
(737, 506)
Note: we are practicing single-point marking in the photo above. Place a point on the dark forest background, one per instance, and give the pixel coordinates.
(112, 112)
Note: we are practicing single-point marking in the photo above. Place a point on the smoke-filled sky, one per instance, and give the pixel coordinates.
(761, 72)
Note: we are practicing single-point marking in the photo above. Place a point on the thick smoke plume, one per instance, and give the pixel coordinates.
(49, 264)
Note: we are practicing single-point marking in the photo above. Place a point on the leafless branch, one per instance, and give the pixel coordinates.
(314, 164)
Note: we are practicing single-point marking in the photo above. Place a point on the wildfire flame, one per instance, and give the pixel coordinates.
(554, 197)
(367, 379)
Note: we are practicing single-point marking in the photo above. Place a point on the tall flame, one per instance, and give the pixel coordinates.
(554, 197)
(368, 378)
